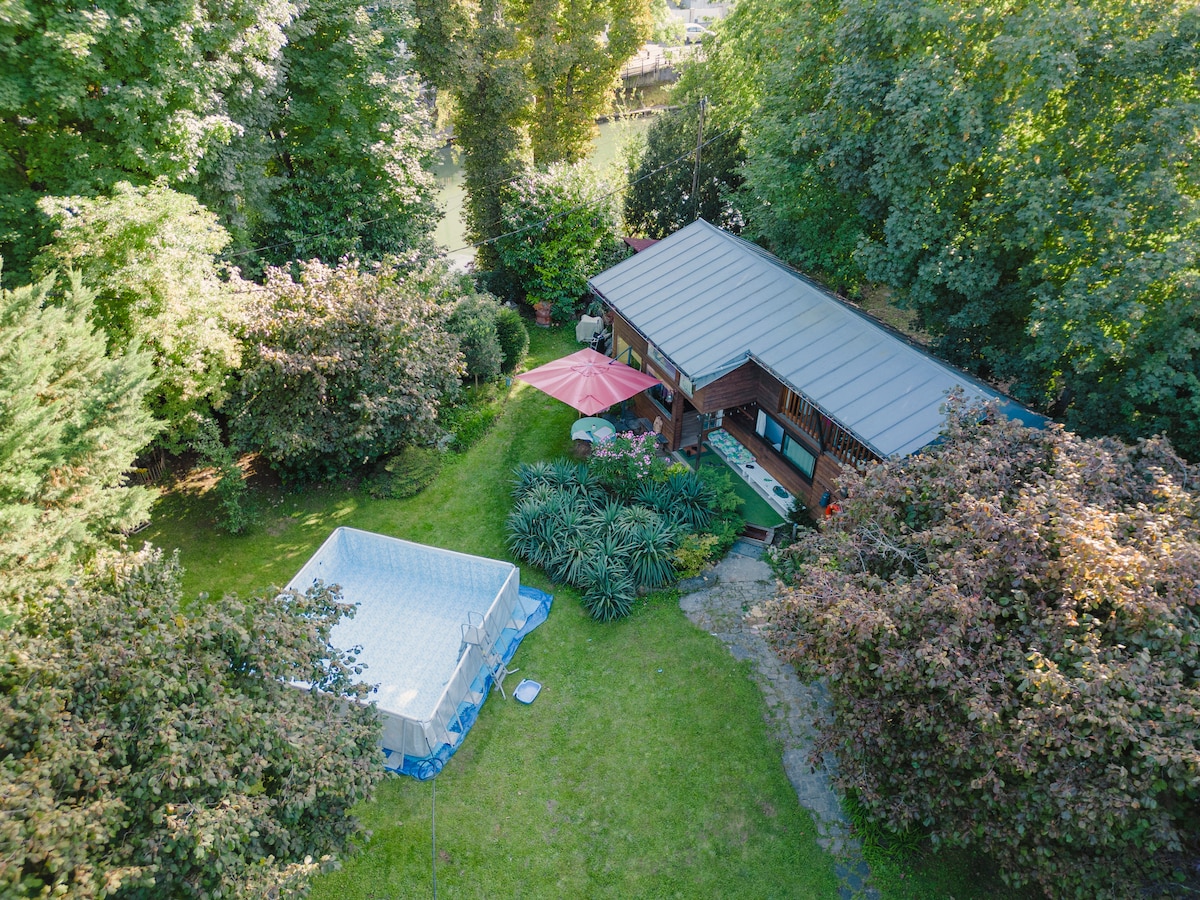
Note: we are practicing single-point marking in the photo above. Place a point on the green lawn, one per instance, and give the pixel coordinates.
(755, 509)
(642, 770)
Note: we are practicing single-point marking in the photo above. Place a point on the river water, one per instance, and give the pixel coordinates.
(606, 157)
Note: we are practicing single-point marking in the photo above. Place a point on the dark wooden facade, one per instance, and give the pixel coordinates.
(738, 397)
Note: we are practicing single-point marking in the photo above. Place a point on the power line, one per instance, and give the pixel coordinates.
(696, 167)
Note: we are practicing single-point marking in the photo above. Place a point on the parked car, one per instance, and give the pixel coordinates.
(694, 33)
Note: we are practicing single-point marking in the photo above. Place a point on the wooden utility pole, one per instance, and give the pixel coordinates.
(696, 167)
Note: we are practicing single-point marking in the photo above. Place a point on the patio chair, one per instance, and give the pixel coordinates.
(660, 438)
(588, 327)
(599, 342)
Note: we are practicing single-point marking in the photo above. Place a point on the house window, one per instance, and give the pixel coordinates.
(626, 354)
(792, 450)
(656, 357)
(799, 456)
(662, 395)
(831, 437)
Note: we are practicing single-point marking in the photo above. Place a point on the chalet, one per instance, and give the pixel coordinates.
(804, 383)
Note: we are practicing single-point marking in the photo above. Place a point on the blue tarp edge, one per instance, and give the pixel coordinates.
(536, 606)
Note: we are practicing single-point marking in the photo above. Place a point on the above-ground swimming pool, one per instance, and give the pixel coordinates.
(433, 625)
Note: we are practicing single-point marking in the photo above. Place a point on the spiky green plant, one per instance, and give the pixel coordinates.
(632, 518)
(606, 515)
(530, 533)
(608, 590)
(652, 557)
(611, 543)
(540, 492)
(527, 475)
(690, 501)
(568, 516)
(565, 472)
(573, 551)
(654, 494)
(591, 487)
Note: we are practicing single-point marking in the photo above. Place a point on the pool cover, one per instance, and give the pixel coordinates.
(433, 626)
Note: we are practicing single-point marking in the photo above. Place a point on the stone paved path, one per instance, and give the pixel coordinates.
(727, 602)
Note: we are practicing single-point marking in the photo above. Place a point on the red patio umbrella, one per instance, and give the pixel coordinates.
(588, 381)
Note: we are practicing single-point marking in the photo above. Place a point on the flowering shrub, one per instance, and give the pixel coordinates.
(626, 460)
(1010, 625)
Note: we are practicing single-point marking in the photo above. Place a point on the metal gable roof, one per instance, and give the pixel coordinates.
(709, 301)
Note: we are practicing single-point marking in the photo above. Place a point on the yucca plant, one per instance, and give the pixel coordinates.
(589, 479)
(610, 543)
(568, 514)
(605, 515)
(652, 557)
(608, 590)
(655, 495)
(689, 500)
(539, 492)
(634, 517)
(572, 552)
(527, 475)
(564, 472)
(531, 533)
(590, 487)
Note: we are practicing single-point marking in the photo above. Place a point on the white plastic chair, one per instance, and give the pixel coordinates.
(587, 328)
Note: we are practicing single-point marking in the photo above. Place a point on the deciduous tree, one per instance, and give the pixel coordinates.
(1010, 625)
(92, 94)
(154, 747)
(150, 254)
(528, 79)
(1023, 178)
(575, 56)
(351, 142)
(660, 198)
(344, 366)
(557, 223)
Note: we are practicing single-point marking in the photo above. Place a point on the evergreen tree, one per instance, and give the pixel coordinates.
(72, 420)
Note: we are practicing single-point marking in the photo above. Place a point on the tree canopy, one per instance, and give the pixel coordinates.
(557, 222)
(72, 420)
(528, 78)
(116, 90)
(576, 50)
(348, 178)
(1021, 178)
(344, 366)
(150, 255)
(1009, 622)
(155, 748)
(660, 198)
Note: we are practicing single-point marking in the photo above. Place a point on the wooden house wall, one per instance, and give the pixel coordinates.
(738, 387)
(741, 393)
(643, 406)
